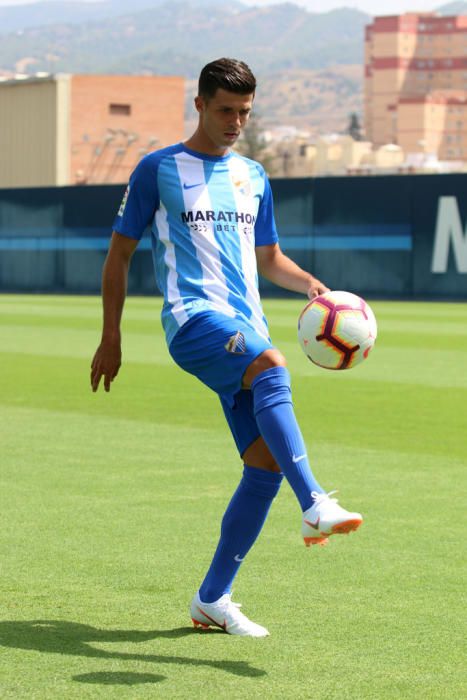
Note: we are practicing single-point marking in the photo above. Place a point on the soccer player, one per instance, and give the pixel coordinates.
(212, 229)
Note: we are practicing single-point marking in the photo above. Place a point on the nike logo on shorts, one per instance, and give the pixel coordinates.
(190, 187)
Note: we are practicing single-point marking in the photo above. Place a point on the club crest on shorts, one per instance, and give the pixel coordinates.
(236, 344)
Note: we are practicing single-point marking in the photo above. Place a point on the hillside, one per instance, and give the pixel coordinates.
(16, 18)
(453, 8)
(308, 64)
(174, 39)
(319, 101)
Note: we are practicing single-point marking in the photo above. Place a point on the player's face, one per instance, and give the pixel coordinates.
(222, 118)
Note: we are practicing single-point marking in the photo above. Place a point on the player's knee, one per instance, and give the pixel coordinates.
(258, 455)
(267, 359)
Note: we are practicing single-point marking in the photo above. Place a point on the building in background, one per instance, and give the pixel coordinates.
(434, 123)
(416, 84)
(290, 152)
(84, 129)
(340, 154)
(294, 153)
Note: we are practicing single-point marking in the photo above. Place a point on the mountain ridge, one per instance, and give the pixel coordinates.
(282, 36)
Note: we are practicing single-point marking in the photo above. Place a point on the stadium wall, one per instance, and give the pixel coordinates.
(387, 236)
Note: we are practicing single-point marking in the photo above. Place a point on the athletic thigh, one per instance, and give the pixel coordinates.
(241, 419)
(217, 349)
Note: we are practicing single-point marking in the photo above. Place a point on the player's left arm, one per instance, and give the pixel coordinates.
(281, 270)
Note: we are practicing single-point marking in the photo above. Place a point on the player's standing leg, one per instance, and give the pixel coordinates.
(241, 525)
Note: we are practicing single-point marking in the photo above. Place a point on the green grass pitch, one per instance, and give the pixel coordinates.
(111, 505)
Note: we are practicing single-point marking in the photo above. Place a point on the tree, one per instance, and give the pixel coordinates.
(253, 144)
(354, 128)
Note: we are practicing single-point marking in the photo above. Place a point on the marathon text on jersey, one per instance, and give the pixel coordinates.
(189, 217)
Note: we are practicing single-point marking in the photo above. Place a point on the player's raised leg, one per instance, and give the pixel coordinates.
(269, 381)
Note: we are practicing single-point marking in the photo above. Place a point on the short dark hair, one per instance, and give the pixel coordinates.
(228, 74)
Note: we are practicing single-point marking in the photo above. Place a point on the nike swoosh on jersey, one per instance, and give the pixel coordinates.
(190, 187)
(297, 459)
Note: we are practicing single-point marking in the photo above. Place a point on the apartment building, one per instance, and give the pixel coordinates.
(416, 83)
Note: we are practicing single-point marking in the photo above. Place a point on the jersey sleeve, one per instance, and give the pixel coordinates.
(140, 201)
(265, 226)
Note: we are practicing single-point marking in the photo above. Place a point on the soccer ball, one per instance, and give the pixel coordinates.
(337, 330)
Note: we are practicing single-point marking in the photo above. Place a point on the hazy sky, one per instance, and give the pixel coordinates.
(373, 7)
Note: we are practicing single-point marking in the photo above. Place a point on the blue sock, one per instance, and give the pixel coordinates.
(241, 525)
(272, 400)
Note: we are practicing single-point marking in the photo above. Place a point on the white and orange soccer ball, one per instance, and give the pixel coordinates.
(337, 330)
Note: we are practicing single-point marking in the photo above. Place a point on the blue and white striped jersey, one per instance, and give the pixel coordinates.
(207, 214)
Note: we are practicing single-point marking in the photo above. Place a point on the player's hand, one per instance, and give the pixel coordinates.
(316, 288)
(106, 363)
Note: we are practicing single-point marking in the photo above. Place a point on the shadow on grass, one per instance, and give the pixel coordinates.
(76, 639)
(116, 678)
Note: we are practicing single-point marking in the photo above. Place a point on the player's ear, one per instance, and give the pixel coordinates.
(199, 103)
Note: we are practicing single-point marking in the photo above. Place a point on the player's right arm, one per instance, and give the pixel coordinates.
(135, 214)
(107, 360)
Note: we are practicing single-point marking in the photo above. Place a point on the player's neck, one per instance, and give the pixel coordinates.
(200, 143)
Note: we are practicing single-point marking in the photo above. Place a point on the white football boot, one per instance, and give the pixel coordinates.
(326, 517)
(226, 615)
